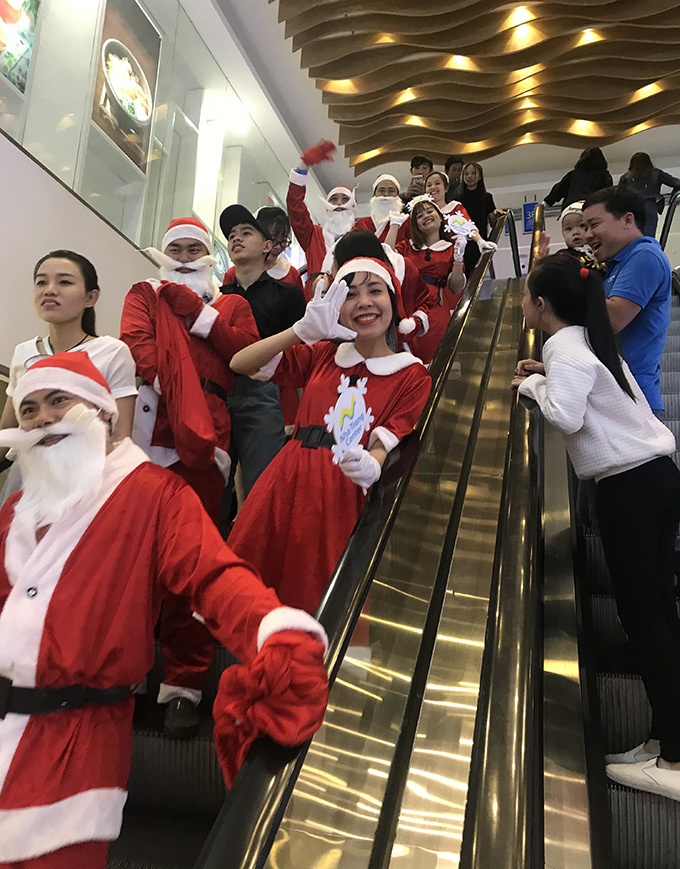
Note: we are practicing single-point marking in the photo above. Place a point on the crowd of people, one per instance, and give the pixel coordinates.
(125, 451)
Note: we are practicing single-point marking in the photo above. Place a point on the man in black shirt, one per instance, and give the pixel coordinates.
(256, 417)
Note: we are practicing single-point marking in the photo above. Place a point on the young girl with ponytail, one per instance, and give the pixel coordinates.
(586, 390)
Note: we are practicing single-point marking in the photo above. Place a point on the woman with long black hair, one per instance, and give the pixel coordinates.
(588, 175)
(644, 177)
(586, 390)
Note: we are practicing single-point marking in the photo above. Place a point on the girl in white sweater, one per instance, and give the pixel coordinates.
(586, 390)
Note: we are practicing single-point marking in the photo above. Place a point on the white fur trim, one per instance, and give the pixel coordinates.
(186, 230)
(342, 188)
(298, 178)
(347, 356)
(397, 262)
(204, 322)
(385, 436)
(146, 411)
(286, 618)
(424, 321)
(450, 207)
(166, 693)
(56, 377)
(408, 325)
(157, 385)
(363, 264)
(280, 269)
(385, 177)
(91, 816)
(223, 462)
(267, 371)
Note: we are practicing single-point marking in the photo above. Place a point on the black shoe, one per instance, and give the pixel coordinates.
(181, 719)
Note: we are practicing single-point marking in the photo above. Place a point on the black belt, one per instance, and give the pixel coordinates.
(41, 701)
(208, 385)
(314, 436)
(433, 282)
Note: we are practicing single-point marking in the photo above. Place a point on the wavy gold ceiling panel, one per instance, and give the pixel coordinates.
(448, 76)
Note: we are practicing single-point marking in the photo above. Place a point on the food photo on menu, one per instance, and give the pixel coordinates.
(18, 22)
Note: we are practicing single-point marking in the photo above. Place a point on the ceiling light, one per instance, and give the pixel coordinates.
(460, 61)
(523, 88)
(648, 91)
(524, 35)
(404, 97)
(640, 128)
(415, 121)
(367, 155)
(528, 104)
(587, 36)
(527, 139)
(582, 127)
(385, 39)
(524, 73)
(338, 85)
(519, 15)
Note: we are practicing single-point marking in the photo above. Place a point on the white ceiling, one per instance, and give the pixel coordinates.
(298, 103)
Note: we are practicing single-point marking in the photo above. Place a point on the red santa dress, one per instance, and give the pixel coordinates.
(434, 263)
(383, 228)
(299, 516)
(78, 607)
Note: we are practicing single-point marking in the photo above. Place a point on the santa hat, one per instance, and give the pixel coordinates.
(72, 372)
(574, 208)
(385, 177)
(187, 227)
(342, 189)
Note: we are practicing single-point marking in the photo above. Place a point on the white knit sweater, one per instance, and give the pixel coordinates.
(604, 430)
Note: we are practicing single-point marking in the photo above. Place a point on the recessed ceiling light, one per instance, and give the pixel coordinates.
(519, 15)
(589, 35)
(415, 121)
(460, 61)
(581, 127)
(648, 91)
(338, 85)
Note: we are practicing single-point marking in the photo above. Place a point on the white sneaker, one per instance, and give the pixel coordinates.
(633, 755)
(646, 776)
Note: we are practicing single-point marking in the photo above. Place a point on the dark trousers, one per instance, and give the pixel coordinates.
(639, 511)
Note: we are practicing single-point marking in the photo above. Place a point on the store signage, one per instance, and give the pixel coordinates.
(528, 211)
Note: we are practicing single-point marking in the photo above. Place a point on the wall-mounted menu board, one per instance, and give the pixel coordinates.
(18, 21)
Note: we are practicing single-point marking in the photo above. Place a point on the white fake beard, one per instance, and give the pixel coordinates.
(340, 222)
(55, 478)
(199, 279)
(383, 206)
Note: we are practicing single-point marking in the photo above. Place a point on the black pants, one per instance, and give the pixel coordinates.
(639, 511)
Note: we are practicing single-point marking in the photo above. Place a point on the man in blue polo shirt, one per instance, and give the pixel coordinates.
(637, 283)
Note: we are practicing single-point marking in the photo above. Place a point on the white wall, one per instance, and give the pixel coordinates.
(39, 214)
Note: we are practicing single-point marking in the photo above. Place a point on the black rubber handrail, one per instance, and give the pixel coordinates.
(539, 227)
(514, 244)
(668, 219)
(248, 822)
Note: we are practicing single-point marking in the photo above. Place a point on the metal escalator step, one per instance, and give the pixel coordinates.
(671, 404)
(672, 343)
(670, 382)
(607, 631)
(596, 567)
(624, 711)
(674, 327)
(157, 843)
(175, 778)
(645, 828)
(670, 361)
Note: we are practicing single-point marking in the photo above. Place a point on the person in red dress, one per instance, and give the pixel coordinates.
(440, 264)
(360, 399)
(384, 203)
(88, 550)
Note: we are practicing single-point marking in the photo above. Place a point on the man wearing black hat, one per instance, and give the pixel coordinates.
(256, 416)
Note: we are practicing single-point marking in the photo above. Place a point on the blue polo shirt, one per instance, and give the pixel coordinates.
(641, 272)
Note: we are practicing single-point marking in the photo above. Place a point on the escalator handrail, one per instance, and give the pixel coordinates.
(514, 244)
(539, 227)
(248, 822)
(503, 817)
(668, 219)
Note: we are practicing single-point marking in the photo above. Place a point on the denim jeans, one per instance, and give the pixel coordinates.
(256, 426)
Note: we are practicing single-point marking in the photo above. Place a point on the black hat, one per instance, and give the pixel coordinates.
(233, 215)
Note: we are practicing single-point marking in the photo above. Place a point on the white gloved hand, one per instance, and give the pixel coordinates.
(360, 466)
(407, 325)
(484, 245)
(459, 248)
(396, 218)
(320, 321)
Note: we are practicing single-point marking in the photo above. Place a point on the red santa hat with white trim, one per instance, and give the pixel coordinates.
(187, 227)
(72, 372)
(385, 177)
(376, 267)
(346, 190)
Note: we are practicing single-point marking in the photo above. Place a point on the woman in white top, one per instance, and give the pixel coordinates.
(65, 291)
(586, 390)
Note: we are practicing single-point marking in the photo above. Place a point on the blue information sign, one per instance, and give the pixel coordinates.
(528, 211)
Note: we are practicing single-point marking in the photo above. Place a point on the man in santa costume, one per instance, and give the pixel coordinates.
(341, 207)
(182, 334)
(385, 203)
(89, 547)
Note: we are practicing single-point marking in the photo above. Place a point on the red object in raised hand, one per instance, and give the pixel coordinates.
(181, 299)
(322, 152)
(282, 694)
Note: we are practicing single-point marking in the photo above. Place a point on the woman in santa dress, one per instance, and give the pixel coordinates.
(360, 399)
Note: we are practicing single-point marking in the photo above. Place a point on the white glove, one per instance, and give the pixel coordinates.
(484, 246)
(407, 325)
(396, 218)
(360, 466)
(459, 248)
(321, 316)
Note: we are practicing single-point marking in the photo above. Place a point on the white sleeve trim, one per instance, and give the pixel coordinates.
(157, 385)
(204, 322)
(386, 438)
(286, 618)
(424, 322)
(269, 370)
(298, 178)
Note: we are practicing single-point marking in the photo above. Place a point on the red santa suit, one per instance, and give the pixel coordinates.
(382, 229)
(78, 607)
(282, 270)
(434, 263)
(300, 514)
